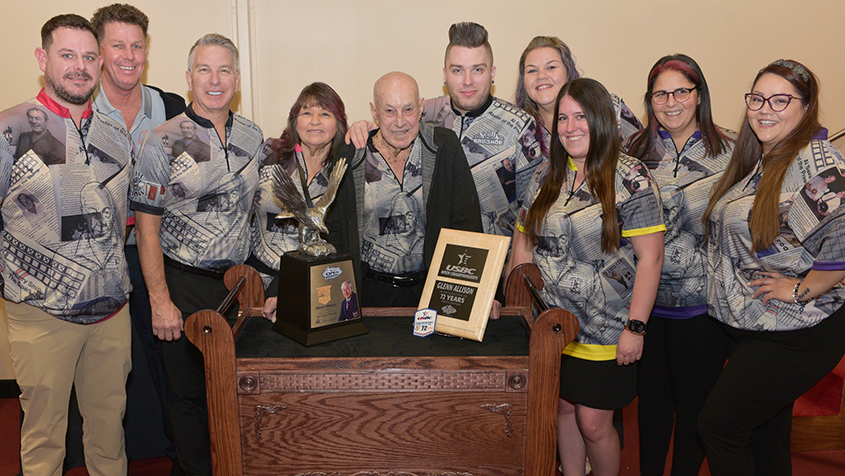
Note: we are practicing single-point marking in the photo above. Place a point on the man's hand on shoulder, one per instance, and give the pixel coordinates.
(359, 132)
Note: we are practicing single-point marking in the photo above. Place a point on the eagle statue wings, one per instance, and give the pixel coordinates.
(311, 220)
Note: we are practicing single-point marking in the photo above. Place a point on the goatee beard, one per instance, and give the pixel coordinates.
(67, 96)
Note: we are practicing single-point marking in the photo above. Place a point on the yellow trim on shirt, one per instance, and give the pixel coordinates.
(520, 227)
(571, 164)
(595, 352)
(643, 231)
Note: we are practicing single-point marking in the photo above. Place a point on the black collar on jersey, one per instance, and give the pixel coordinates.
(475, 112)
(189, 111)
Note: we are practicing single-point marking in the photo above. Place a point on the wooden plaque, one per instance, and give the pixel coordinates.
(461, 283)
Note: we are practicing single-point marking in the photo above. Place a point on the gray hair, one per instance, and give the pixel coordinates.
(214, 39)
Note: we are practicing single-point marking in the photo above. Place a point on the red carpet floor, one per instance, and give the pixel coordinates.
(813, 463)
(825, 398)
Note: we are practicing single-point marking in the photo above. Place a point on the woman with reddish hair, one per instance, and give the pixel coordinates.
(314, 133)
(685, 349)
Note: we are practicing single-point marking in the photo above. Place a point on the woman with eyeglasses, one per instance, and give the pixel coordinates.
(775, 265)
(592, 223)
(545, 66)
(684, 349)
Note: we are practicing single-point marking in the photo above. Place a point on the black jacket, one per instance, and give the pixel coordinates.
(451, 200)
(174, 104)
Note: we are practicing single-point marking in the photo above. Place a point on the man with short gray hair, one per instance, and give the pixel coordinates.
(188, 239)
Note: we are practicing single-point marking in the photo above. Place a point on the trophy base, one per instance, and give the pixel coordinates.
(317, 299)
(311, 337)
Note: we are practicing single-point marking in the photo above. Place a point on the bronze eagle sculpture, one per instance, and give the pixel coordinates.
(311, 220)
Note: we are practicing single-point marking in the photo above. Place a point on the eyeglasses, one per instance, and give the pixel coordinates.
(680, 95)
(778, 102)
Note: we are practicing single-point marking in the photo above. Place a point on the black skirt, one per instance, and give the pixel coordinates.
(597, 384)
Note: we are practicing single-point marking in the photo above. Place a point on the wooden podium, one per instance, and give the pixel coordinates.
(414, 415)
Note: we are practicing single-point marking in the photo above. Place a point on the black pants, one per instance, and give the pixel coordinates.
(381, 294)
(185, 373)
(682, 358)
(746, 422)
(141, 316)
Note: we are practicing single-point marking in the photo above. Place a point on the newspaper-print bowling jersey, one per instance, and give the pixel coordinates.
(685, 178)
(272, 237)
(578, 276)
(64, 210)
(202, 189)
(812, 236)
(394, 213)
(502, 150)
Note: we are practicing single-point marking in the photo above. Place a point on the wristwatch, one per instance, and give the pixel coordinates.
(636, 327)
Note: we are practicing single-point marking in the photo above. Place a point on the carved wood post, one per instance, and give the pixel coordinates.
(212, 335)
(551, 332)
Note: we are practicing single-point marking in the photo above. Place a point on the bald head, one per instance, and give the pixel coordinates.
(396, 80)
(397, 108)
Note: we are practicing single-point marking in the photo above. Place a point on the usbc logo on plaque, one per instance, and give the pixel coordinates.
(463, 262)
(462, 280)
(331, 272)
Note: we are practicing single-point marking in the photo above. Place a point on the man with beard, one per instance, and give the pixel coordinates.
(67, 319)
(40, 140)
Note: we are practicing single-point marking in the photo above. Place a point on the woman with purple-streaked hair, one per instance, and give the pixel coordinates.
(306, 149)
(545, 66)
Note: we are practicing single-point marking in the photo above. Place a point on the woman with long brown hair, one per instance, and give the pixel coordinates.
(685, 348)
(595, 229)
(775, 264)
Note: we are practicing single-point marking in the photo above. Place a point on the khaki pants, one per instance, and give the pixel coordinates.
(49, 355)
